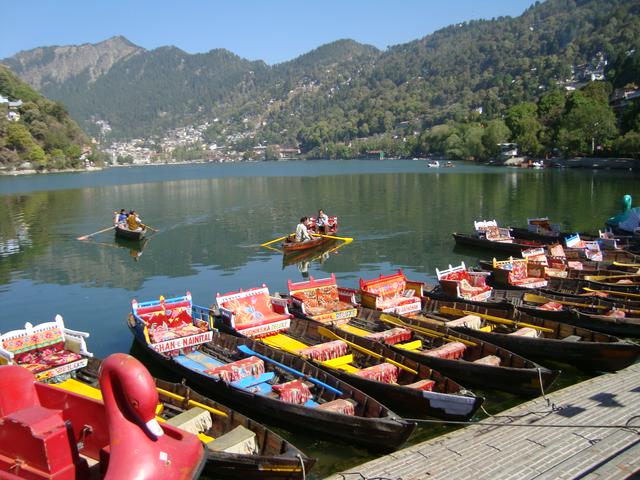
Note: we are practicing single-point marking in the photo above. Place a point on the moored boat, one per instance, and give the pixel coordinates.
(404, 385)
(267, 382)
(534, 337)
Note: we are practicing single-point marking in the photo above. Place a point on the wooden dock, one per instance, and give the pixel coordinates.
(569, 450)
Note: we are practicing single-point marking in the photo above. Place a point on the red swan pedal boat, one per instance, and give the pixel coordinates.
(46, 432)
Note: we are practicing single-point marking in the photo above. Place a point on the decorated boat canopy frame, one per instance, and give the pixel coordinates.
(542, 225)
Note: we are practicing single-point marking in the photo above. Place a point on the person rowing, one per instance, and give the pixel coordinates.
(134, 223)
(120, 218)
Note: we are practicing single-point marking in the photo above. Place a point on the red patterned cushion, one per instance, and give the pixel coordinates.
(339, 405)
(293, 392)
(551, 306)
(384, 372)
(325, 351)
(451, 351)
(232, 372)
(252, 310)
(392, 336)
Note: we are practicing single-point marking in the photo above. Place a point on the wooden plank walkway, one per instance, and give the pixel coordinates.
(526, 452)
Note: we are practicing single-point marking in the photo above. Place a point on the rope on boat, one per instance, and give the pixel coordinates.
(304, 474)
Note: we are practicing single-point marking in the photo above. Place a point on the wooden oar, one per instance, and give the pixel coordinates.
(84, 237)
(191, 403)
(530, 297)
(274, 241)
(325, 332)
(344, 239)
(491, 318)
(599, 278)
(424, 331)
(632, 265)
(247, 351)
(151, 228)
(613, 293)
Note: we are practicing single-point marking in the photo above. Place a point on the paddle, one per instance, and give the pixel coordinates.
(247, 351)
(491, 318)
(632, 265)
(344, 239)
(530, 297)
(424, 331)
(191, 403)
(84, 237)
(329, 334)
(151, 228)
(274, 241)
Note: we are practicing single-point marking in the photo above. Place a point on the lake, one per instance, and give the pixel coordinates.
(212, 218)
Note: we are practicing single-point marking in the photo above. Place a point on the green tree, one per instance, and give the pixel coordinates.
(496, 132)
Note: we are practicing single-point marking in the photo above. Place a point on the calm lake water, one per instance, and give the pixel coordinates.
(211, 220)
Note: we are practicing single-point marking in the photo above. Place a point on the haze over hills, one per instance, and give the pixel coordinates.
(342, 91)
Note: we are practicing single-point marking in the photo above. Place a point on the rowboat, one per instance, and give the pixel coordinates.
(49, 432)
(290, 245)
(123, 232)
(392, 379)
(468, 360)
(270, 383)
(534, 337)
(237, 446)
(514, 247)
(579, 285)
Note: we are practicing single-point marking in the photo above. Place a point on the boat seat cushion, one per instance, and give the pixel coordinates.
(252, 308)
(451, 351)
(232, 372)
(391, 336)
(424, 385)
(320, 297)
(295, 391)
(340, 405)
(491, 360)
(166, 314)
(551, 306)
(40, 349)
(383, 372)
(325, 351)
(469, 321)
(161, 333)
(525, 332)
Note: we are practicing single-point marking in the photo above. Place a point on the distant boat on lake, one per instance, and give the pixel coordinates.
(433, 164)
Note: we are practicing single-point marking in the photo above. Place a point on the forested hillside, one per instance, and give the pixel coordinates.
(454, 92)
(36, 130)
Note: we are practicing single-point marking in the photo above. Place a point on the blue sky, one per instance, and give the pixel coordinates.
(269, 30)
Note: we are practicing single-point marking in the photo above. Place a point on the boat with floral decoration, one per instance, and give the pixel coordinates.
(263, 381)
(402, 384)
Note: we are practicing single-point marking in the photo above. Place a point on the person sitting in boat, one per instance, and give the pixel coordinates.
(134, 223)
(322, 222)
(120, 217)
(302, 233)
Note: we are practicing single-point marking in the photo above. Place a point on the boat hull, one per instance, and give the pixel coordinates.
(378, 432)
(510, 248)
(128, 234)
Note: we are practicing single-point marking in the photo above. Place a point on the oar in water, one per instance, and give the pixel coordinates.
(84, 237)
(274, 241)
(151, 228)
(344, 239)
(191, 403)
(424, 331)
(491, 318)
(325, 332)
(247, 351)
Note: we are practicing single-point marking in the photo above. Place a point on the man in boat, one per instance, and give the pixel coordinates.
(134, 223)
(322, 222)
(120, 217)
(302, 233)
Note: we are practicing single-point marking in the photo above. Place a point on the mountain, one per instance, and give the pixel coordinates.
(345, 91)
(36, 130)
(46, 66)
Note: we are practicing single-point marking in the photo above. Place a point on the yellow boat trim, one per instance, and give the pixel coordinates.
(487, 328)
(284, 342)
(414, 345)
(191, 403)
(354, 330)
(338, 362)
